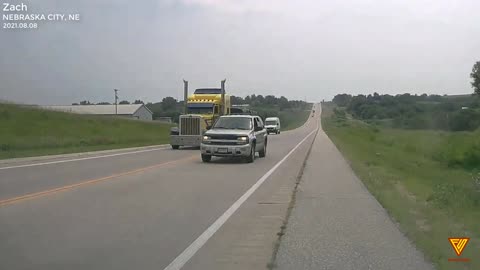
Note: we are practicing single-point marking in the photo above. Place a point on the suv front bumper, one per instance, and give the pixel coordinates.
(240, 150)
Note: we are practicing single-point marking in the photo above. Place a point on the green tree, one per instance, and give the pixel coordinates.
(467, 119)
(260, 100)
(355, 105)
(270, 100)
(138, 101)
(342, 100)
(124, 102)
(103, 103)
(475, 75)
(283, 103)
(236, 100)
(169, 104)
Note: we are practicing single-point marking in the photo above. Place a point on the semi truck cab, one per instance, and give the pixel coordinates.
(202, 109)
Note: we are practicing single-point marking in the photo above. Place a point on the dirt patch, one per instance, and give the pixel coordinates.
(422, 225)
(404, 192)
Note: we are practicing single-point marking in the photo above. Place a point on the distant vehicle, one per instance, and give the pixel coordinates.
(272, 124)
(235, 136)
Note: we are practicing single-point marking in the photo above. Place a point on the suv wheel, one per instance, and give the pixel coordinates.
(206, 158)
(175, 147)
(263, 152)
(251, 157)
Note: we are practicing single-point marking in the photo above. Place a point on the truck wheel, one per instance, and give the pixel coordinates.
(251, 157)
(206, 158)
(175, 147)
(263, 152)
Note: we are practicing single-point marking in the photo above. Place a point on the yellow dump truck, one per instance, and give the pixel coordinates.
(201, 110)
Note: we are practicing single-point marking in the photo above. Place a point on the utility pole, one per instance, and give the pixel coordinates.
(116, 100)
(185, 96)
(223, 107)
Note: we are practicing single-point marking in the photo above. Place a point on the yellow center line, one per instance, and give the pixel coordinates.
(87, 182)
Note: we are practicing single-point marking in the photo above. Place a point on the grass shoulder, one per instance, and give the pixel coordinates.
(28, 131)
(290, 118)
(293, 119)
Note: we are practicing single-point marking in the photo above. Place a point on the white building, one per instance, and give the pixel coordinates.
(134, 111)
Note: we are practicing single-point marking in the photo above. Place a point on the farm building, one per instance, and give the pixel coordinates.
(133, 111)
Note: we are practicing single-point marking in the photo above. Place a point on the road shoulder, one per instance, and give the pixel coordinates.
(78, 155)
(337, 224)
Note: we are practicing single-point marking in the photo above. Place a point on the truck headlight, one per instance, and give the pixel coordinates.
(206, 138)
(242, 140)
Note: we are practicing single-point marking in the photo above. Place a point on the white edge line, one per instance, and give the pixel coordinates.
(190, 251)
(79, 159)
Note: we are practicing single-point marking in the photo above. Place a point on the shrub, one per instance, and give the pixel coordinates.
(471, 158)
(339, 113)
(465, 120)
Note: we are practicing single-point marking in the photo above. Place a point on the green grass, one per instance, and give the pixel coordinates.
(290, 118)
(26, 131)
(293, 119)
(428, 181)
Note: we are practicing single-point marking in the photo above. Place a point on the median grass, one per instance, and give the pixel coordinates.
(290, 118)
(28, 131)
(293, 119)
(428, 181)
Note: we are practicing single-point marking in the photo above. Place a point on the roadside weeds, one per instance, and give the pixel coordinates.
(428, 199)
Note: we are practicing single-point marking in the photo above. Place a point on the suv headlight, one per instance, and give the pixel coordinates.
(242, 140)
(206, 139)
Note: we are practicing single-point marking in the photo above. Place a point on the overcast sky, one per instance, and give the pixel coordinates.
(310, 49)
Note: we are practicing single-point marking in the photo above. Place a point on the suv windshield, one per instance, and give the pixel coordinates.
(271, 123)
(234, 123)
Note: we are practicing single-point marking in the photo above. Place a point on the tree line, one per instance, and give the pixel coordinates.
(265, 105)
(456, 113)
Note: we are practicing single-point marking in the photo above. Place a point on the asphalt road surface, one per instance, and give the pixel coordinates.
(152, 209)
(142, 210)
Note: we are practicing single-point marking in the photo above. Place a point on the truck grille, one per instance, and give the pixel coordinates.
(190, 125)
(224, 142)
(224, 137)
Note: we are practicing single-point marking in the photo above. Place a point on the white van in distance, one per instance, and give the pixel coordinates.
(272, 124)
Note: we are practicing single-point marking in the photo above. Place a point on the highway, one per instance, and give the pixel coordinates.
(142, 210)
(165, 209)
